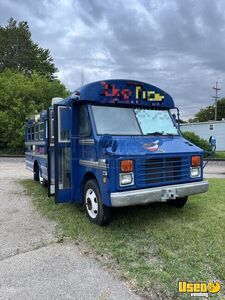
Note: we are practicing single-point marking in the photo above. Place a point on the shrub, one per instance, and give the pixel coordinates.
(195, 139)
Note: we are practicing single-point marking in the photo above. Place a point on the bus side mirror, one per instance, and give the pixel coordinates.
(107, 141)
(114, 146)
(212, 141)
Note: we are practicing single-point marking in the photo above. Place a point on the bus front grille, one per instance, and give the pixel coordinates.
(160, 171)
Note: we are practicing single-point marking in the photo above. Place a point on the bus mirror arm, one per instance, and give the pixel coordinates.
(178, 117)
(211, 154)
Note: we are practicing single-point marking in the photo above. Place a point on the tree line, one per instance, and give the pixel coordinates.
(208, 113)
(27, 82)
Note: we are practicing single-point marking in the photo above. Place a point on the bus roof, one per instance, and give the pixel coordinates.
(123, 92)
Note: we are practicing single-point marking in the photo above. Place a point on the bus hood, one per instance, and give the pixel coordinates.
(154, 145)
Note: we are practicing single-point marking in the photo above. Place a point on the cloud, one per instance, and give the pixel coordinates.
(176, 45)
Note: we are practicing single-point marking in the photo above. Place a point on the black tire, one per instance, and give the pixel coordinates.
(179, 202)
(36, 172)
(45, 183)
(96, 211)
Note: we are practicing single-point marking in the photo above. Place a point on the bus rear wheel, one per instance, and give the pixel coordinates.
(36, 172)
(179, 202)
(96, 211)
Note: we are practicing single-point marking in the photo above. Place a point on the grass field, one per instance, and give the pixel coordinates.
(220, 154)
(8, 152)
(152, 246)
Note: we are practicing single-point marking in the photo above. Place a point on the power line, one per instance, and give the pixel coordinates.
(216, 98)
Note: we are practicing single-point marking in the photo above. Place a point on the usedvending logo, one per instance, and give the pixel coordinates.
(199, 289)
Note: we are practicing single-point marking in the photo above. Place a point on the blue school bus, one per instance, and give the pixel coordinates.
(113, 143)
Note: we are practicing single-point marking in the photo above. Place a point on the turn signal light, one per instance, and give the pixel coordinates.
(195, 161)
(126, 165)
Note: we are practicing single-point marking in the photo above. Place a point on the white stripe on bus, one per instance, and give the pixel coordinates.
(36, 155)
(42, 143)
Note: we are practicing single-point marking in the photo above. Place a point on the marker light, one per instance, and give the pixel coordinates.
(196, 161)
(126, 165)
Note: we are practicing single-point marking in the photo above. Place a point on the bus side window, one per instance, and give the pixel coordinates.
(84, 122)
(36, 126)
(32, 133)
(46, 129)
(64, 124)
(41, 131)
(28, 133)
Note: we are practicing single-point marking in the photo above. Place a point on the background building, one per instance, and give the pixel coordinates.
(206, 129)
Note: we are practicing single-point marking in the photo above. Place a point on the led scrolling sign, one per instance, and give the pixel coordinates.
(133, 95)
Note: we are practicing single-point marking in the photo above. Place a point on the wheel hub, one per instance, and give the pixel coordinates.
(91, 203)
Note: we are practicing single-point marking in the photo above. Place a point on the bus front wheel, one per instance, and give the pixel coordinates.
(96, 211)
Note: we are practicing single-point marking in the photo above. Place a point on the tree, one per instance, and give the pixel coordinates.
(182, 121)
(193, 120)
(205, 114)
(19, 52)
(20, 96)
(208, 113)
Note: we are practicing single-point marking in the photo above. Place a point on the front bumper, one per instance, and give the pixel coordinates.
(158, 194)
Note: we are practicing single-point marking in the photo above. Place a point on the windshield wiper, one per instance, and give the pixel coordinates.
(155, 133)
(169, 134)
(160, 133)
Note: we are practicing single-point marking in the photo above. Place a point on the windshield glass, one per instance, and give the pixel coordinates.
(115, 120)
(155, 122)
(129, 121)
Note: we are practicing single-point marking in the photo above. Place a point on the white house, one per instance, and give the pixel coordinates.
(207, 129)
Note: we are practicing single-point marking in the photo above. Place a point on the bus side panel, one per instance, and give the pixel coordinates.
(29, 162)
(85, 151)
(43, 166)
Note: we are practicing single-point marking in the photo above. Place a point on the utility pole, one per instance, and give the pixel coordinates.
(216, 98)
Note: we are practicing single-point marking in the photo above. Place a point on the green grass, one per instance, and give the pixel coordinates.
(10, 152)
(152, 246)
(220, 154)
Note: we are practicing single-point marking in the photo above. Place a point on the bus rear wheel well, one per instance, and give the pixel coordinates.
(35, 166)
(36, 171)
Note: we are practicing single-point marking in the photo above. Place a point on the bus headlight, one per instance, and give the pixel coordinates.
(195, 172)
(126, 179)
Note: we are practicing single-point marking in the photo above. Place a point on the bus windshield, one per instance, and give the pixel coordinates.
(131, 121)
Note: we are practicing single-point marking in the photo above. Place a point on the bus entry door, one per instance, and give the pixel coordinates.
(62, 138)
(51, 152)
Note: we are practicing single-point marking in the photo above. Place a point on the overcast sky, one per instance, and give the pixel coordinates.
(177, 45)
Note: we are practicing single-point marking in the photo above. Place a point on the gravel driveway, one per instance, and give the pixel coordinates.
(215, 169)
(32, 264)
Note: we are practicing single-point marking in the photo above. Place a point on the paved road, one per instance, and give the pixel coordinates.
(215, 169)
(32, 264)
